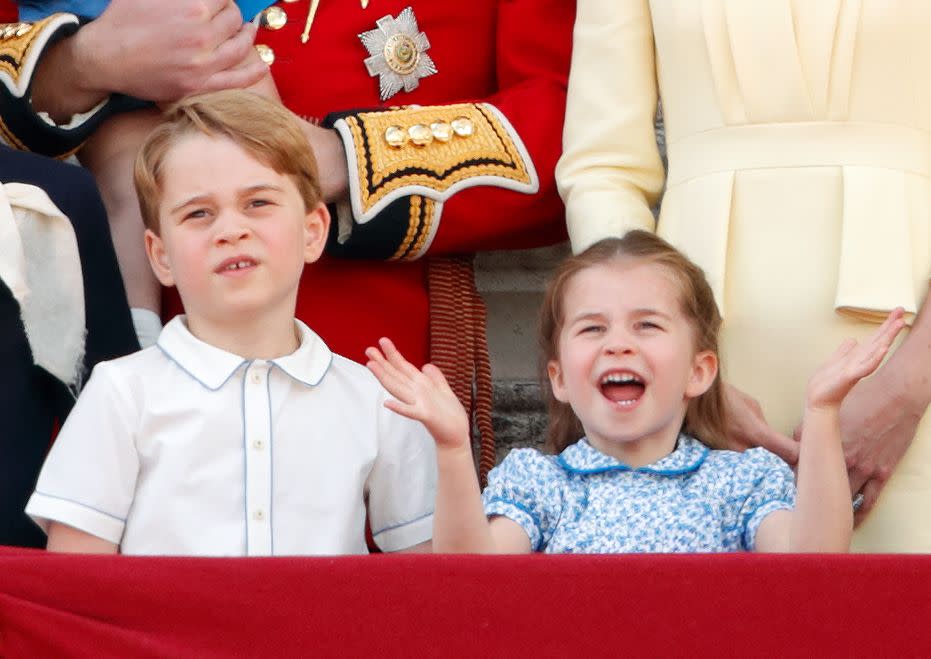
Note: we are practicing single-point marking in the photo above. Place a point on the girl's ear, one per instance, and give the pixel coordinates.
(158, 258)
(316, 230)
(704, 370)
(557, 381)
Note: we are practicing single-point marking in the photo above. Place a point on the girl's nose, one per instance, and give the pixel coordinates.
(619, 343)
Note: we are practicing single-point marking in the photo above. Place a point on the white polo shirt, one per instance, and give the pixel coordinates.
(185, 449)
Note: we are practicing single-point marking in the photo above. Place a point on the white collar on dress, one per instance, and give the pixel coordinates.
(583, 458)
(213, 367)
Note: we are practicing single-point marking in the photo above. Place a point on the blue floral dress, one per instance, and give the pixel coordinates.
(692, 500)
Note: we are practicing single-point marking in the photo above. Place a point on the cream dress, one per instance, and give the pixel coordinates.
(799, 143)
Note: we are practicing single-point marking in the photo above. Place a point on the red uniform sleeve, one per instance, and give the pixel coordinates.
(534, 49)
(490, 186)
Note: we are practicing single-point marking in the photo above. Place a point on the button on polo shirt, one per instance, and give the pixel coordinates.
(184, 448)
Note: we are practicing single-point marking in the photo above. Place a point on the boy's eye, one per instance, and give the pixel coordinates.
(196, 214)
(647, 324)
(258, 203)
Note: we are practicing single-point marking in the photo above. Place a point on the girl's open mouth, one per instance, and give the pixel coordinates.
(622, 388)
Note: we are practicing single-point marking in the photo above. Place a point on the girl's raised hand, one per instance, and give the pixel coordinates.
(851, 362)
(423, 395)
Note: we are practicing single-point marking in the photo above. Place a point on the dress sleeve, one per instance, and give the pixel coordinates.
(89, 478)
(401, 487)
(765, 484)
(483, 176)
(610, 173)
(525, 488)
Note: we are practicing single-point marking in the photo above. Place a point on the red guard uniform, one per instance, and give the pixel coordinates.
(470, 169)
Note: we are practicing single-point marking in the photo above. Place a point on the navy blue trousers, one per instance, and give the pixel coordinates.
(32, 401)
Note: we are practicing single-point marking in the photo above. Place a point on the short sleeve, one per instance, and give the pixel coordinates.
(89, 478)
(402, 484)
(766, 484)
(526, 488)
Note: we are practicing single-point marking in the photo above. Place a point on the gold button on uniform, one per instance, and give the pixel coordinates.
(442, 131)
(258, 515)
(274, 18)
(265, 53)
(463, 126)
(395, 136)
(258, 444)
(420, 134)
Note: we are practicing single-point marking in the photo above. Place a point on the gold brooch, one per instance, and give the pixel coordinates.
(398, 56)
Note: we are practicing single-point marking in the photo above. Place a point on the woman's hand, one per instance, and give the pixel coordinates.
(878, 425)
(423, 395)
(747, 428)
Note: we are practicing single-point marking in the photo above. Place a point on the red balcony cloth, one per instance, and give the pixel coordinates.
(451, 606)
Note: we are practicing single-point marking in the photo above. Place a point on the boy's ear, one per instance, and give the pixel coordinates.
(158, 258)
(316, 230)
(704, 370)
(557, 381)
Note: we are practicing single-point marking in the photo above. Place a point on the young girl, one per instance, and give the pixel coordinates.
(629, 333)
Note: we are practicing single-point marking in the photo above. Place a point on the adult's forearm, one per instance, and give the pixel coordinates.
(332, 166)
(67, 80)
(823, 516)
(911, 363)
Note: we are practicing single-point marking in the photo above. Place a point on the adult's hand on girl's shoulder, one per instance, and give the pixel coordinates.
(746, 427)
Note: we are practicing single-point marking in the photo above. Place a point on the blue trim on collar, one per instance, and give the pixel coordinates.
(310, 362)
(210, 366)
(582, 458)
(213, 367)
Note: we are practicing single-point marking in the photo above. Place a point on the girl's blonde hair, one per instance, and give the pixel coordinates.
(705, 414)
(264, 129)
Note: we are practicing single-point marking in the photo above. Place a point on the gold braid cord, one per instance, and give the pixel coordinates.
(459, 346)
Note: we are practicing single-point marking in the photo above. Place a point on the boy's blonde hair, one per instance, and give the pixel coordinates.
(261, 127)
(705, 414)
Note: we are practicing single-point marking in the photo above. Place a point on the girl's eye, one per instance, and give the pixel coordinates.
(587, 329)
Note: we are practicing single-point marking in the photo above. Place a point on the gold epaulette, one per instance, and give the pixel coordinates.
(432, 151)
(20, 47)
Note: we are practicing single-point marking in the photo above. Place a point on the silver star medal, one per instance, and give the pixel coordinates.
(398, 53)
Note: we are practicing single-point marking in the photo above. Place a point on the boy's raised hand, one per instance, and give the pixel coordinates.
(851, 362)
(423, 395)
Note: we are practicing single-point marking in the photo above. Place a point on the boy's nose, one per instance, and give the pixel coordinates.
(231, 228)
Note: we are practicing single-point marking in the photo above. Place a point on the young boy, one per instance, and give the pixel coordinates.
(239, 433)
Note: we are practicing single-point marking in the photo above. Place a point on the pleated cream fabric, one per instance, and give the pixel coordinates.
(799, 177)
(40, 265)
